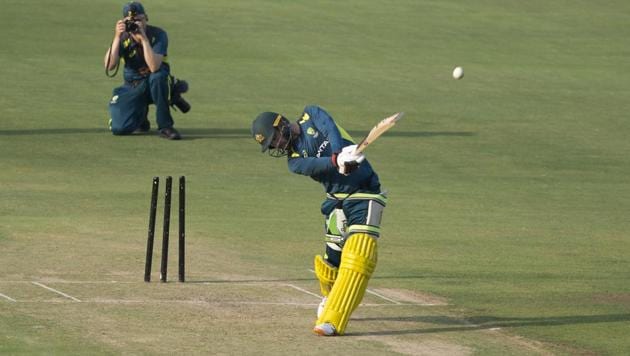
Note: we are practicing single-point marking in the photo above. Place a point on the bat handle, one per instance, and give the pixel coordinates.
(360, 147)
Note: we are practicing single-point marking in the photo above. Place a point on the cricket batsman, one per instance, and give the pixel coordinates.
(316, 146)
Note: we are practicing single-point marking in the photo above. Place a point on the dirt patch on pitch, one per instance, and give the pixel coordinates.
(534, 346)
(612, 298)
(412, 297)
(430, 347)
(424, 347)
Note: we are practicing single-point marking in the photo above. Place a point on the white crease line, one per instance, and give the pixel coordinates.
(376, 294)
(382, 296)
(74, 282)
(56, 291)
(191, 302)
(7, 297)
(201, 302)
(303, 290)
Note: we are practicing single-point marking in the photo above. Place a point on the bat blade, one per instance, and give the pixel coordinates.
(380, 128)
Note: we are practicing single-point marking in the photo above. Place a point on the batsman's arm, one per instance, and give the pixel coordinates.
(326, 125)
(310, 166)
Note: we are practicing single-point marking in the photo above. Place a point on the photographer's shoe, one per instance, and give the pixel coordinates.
(144, 127)
(170, 133)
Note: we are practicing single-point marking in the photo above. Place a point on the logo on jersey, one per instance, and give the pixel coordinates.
(305, 118)
(259, 138)
(310, 131)
(321, 148)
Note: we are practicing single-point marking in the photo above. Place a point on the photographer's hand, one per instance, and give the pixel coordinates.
(153, 60)
(140, 34)
(120, 28)
(111, 56)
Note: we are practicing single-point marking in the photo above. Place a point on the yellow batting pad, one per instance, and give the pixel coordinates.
(326, 273)
(358, 262)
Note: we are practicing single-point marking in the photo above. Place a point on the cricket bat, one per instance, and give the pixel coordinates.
(380, 128)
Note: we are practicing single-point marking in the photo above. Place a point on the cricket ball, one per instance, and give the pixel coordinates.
(458, 73)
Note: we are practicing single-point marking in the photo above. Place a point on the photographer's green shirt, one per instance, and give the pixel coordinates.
(131, 52)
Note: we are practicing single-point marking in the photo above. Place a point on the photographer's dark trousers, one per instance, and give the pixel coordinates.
(129, 105)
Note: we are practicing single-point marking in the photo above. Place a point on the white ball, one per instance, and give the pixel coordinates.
(458, 73)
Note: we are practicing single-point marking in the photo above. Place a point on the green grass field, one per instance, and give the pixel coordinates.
(507, 226)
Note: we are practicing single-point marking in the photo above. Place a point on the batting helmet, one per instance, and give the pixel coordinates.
(264, 127)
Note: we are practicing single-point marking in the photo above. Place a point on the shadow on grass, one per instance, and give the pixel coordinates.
(198, 133)
(245, 133)
(487, 322)
(238, 281)
(53, 131)
(188, 134)
(401, 133)
(285, 280)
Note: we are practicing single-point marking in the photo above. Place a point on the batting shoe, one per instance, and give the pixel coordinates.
(325, 329)
(320, 308)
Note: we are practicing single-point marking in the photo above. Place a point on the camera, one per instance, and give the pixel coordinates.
(130, 23)
(131, 26)
(179, 87)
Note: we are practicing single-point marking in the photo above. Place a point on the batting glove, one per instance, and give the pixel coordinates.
(348, 161)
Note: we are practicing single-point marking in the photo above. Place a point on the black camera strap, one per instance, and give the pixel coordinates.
(109, 57)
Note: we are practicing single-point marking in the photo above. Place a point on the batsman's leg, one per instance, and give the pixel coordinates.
(358, 262)
(326, 274)
(326, 268)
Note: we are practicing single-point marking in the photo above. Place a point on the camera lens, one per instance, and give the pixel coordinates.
(131, 26)
(182, 105)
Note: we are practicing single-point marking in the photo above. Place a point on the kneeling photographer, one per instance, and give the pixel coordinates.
(147, 78)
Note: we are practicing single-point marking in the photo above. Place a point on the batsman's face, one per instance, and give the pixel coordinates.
(279, 141)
